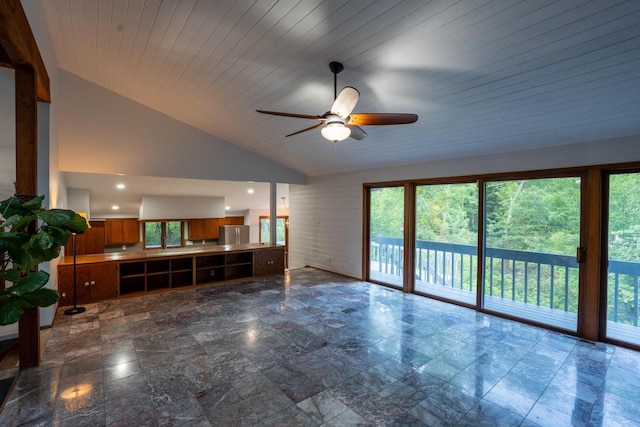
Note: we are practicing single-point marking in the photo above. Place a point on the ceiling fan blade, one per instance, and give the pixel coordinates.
(298, 116)
(357, 132)
(304, 130)
(345, 102)
(366, 119)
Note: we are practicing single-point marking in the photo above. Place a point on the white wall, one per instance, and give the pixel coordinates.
(7, 154)
(181, 207)
(326, 215)
(103, 132)
(78, 199)
(7, 133)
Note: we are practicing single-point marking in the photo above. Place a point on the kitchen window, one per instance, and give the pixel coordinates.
(163, 234)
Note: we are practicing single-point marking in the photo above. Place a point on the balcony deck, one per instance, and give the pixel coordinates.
(518, 278)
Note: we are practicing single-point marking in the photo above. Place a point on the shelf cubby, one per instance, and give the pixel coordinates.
(181, 278)
(158, 266)
(238, 271)
(157, 281)
(132, 284)
(208, 261)
(132, 269)
(210, 275)
(239, 258)
(182, 264)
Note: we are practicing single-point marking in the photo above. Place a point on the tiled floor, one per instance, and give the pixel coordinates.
(316, 349)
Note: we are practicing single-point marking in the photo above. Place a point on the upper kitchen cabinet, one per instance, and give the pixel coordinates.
(90, 242)
(231, 220)
(203, 228)
(207, 228)
(122, 230)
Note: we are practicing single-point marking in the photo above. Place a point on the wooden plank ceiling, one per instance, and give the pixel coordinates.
(484, 76)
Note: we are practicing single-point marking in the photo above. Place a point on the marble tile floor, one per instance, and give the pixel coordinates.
(316, 349)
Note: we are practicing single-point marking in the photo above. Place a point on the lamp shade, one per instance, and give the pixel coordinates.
(335, 131)
(84, 215)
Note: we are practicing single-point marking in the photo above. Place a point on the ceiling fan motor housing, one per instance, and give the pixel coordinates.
(336, 67)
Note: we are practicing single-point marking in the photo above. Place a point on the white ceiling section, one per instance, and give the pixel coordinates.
(103, 192)
(484, 76)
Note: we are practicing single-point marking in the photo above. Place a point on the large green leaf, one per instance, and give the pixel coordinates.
(29, 283)
(15, 238)
(78, 224)
(34, 204)
(43, 297)
(12, 275)
(10, 311)
(20, 257)
(42, 246)
(12, 206)
(57, 217)
(60, 235)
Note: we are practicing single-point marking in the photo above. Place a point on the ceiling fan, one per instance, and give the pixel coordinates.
(339, 123)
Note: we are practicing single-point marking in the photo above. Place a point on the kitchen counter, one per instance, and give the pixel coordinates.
(149, 254)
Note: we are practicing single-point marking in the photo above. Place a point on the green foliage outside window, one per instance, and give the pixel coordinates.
(537, 215)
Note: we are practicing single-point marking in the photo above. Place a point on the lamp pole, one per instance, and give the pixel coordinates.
(75, 309)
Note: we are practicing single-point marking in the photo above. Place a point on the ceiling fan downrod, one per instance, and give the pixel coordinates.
(336, 68)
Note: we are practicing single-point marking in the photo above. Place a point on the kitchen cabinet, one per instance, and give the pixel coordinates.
(203, 228)
(268, 262)
(231, 220)
(95, 282)
(121, 231)
(90, 242)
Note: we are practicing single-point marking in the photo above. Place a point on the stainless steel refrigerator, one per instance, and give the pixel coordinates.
(233, 234)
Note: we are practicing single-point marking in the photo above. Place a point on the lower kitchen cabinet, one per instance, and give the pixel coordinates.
(94, 282)
(268, 261)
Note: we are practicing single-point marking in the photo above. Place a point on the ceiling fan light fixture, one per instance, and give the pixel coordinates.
(335, 132)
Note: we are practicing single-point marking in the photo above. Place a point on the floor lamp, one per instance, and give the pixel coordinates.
(75, 309)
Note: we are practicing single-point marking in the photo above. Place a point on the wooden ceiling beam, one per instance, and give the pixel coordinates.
(19, 46)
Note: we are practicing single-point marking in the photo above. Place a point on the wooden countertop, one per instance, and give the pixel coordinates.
(164, 253)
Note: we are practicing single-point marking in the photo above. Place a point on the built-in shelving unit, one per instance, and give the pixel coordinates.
(152, 275)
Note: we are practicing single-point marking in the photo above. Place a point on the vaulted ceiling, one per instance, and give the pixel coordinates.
(484, 76)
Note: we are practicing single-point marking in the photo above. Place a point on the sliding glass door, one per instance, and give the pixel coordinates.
(623, 273)
(532, 230)
(386, 235)
(446, 247)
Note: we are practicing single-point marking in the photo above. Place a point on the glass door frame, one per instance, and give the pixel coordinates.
(591, 270)
(604, 250)
(583, 294)
(408, 233)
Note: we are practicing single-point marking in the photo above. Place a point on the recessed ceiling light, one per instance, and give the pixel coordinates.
(120, 186)
(115, 207)
(226, 208)
(250, 191)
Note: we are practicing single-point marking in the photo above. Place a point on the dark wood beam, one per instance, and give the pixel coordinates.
(26, 189)
(20, 46)
(5, 61)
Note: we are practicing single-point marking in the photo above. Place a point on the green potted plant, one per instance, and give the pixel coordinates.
(30, 235)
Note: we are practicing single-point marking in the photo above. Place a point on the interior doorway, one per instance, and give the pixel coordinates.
(282, 234)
